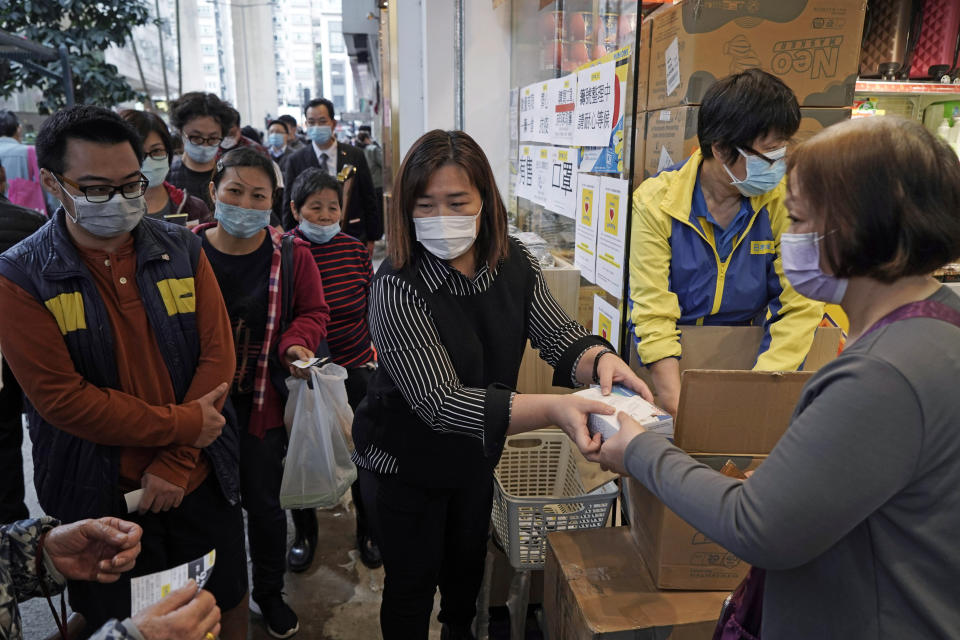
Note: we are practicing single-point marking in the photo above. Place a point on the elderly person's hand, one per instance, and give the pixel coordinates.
(96, 550)
(185, 614)
(611, 454)
(297, 352)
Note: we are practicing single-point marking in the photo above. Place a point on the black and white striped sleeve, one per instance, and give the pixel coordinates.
(409, 349)
(559, 339)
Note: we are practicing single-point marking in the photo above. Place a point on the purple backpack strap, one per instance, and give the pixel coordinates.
(920, 309)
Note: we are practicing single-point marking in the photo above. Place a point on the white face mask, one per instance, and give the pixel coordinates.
(109, 219)
(447, 237)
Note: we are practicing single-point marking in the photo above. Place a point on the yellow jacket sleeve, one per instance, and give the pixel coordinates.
(792, 326)
(655, 309)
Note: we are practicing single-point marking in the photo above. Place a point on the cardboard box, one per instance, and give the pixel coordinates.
(643, 66)
(597, 587)
(722, 415)
(812, 45)
(736, 348)
(639, 152)
(672, 133)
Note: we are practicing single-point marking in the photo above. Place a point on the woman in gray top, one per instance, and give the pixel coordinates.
(856, 512)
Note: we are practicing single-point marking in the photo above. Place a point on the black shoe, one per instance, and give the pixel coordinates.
(300, 556)
(369, 552)
(452, 632)
(281, 621)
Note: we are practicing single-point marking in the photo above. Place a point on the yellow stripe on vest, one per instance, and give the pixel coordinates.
(762, 247)
(179, 295)
(67, 309)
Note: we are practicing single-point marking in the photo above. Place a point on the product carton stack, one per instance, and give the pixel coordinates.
(812, 45)
(661, 578)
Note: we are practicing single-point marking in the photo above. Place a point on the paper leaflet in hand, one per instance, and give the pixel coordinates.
(150, 589)
(651, 417)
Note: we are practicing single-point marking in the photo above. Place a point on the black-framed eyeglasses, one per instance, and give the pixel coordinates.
(212, 141)
(158, 154)
(763, 157)
(100, 193)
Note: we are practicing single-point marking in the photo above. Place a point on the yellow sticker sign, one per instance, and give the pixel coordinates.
(586, 207)
(611, 218)
(762, 247)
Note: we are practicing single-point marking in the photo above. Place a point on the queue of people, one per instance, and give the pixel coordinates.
(189, 334)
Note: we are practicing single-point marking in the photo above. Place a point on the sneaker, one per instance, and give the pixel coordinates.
(281, 621)
(369, 552)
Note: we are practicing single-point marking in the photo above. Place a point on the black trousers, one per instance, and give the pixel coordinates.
(305, 520)
(428, 538)
(261, 472)
(203, 521)
(12, 506)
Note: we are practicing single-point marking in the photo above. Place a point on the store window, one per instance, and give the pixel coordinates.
(336, 37)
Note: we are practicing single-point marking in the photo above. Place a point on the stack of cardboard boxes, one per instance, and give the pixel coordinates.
(812, 45)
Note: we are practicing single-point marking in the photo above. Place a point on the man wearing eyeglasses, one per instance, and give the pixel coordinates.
(705, 235)
(114, 325)
(202, 120)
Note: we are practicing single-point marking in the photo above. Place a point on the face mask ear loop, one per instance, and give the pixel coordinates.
(74, 217)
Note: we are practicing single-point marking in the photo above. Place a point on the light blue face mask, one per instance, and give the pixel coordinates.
(320, 134)
(155, 170)
(240, 222)
(762, 177)
(276, 140)
(319, 233)
(199, 153)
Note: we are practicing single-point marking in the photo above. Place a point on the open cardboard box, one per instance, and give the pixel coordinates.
(722, 415)
(596, 586)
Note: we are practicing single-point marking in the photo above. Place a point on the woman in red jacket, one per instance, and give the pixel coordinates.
(246, 255)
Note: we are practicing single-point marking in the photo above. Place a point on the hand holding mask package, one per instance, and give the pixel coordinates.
(623, 399)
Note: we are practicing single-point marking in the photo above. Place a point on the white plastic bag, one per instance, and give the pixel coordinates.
(318, 469)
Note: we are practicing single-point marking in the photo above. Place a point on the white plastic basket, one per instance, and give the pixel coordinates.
(538, 490)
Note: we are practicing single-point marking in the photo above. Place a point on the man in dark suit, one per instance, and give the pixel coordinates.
(362, 219)
(16, 223)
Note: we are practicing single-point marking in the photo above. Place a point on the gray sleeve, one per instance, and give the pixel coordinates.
(856, 444)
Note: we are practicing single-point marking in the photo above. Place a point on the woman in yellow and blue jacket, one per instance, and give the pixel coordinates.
(705, 239)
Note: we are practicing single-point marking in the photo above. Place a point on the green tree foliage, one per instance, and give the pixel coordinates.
(87, 28)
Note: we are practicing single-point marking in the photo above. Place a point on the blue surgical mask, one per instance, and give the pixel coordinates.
(320, 134)
(801, 265)
(240, 222)
(199, 153)
(276, 140)
(319, 233)
(762, 177)
(155, 170)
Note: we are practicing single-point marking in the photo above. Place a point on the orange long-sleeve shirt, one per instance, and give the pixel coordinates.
(142, 417)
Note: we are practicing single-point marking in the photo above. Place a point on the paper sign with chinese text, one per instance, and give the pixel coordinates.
(606, 321)
(595, 116)
(612, 235)
(562, 196)
(585, 248)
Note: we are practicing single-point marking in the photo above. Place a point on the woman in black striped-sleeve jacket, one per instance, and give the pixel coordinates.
(450, 314)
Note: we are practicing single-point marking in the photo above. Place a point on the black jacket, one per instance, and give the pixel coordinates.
(363, 220)
(16, 223)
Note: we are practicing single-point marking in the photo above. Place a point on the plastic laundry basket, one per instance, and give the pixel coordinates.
(538, 490)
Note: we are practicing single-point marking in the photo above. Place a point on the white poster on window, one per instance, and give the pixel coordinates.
(528, 113)
(596, 103)
(585, 247)
(562, 195)
(545, 110)
(563, 97)
(514, 114)
(542, 174)
(606, 321)
(612, 235)
(525, 171)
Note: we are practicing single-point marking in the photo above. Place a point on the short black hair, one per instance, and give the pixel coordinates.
(197, 104)
(233, 117)
(740, 108)
(282, 123)
(364, 127)
(249, 132)
(321, 102)
(312, 181)
(146, 123)
(82, 122)
(245, 157)
(290, 120)
(8, 123)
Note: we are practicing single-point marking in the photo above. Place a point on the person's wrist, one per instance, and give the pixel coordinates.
(596, 364)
